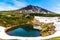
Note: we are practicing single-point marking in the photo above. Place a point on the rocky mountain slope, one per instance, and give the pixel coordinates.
(34, 9)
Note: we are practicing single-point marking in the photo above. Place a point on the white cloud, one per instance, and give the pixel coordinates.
(17, 4)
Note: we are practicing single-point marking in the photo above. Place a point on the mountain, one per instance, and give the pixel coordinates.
(34, 9)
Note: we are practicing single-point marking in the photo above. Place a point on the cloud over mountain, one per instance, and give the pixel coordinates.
(12, 5)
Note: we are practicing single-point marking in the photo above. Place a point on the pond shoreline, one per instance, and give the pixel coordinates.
(56, 34)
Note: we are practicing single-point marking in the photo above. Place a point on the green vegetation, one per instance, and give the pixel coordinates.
(56, 38)
(6, 20)
(15, 18)
(17, 12)
(45, 15)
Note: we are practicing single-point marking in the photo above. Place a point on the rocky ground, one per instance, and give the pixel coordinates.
(46, 29)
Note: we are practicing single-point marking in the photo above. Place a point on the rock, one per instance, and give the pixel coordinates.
(44, 34)
(51, 32)
(34, 22)
(47, 29)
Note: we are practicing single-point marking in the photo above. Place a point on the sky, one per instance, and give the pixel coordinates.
(51, 5)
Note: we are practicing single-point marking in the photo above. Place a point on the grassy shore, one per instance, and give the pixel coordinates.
(56, 38)
(13, 20)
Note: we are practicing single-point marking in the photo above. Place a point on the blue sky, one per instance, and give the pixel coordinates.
(52, 5)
